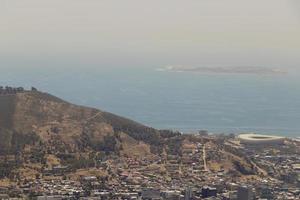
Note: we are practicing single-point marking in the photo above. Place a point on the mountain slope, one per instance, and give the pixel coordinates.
(64, 127)
(7, 106)
(39, 131)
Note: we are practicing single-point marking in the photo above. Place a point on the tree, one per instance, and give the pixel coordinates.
(33, 89)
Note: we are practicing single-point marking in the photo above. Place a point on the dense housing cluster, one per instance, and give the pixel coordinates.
(202, 168)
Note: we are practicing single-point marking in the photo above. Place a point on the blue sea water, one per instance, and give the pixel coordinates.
(219, 103)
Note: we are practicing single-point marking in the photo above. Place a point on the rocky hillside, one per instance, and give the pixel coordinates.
(32, 117)
(39, 131)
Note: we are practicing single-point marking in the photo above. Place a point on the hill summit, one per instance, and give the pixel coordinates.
(29, 118)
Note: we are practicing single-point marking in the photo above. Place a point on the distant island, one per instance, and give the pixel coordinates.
(225, 70)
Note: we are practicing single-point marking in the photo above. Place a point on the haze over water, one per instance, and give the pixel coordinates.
(105, 54)
(229, 103)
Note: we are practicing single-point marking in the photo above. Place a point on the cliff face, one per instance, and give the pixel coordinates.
(62, 126)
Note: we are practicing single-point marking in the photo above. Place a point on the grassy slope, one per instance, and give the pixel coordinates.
(36, 111)
(7, 108)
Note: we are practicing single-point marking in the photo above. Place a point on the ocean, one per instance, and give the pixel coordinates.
(186, 101)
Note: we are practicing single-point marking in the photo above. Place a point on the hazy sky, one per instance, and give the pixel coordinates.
(150, 33)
